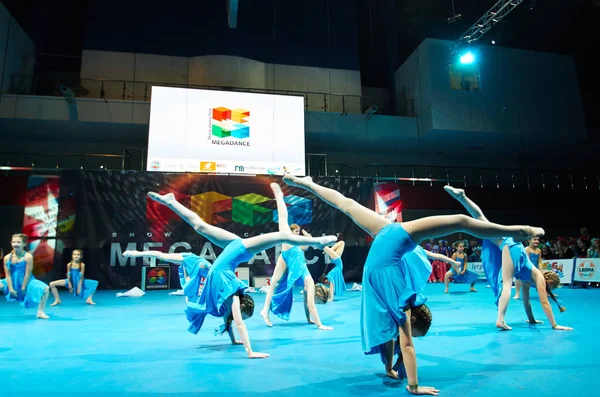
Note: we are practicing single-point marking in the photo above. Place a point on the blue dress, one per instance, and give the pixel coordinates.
(35, 288)
(336, 277)
(219, 287)
(468, 276)
(295, 272)
(196, 269)
(395, 273)
(491, 256)
(534, 258)
(88, 287)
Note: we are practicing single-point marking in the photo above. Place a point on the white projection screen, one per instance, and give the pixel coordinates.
(226, 132)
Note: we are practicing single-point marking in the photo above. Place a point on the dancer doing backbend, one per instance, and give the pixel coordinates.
(391, 286)
(223, 294)
(503, 259)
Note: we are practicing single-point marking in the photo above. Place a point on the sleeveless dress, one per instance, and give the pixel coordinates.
(35, 288)
(220, 286)
(295, 272)
(88, 287)
(395, 273)
(336, 276)
(196, 269)
(468, 276)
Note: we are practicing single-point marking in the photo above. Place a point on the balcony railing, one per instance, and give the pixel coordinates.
(318, 165)
(141, 91)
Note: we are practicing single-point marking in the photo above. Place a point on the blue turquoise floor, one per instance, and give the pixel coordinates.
(141, 346)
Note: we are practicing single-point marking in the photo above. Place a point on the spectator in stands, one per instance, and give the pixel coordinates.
(594, 251)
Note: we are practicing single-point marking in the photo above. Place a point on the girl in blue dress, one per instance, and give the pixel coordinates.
(223, 294)
(460, 273)
(77, 284)
(20, 284)
(392, 286)
(290, 271)
(535, 256)
(337, 284)
(192, 268)
(503, 259)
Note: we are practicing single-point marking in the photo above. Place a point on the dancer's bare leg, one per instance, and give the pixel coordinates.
(370, 221)
(54, 290)
(216, 235)
(309, 304)
(469, 205)
(518, 285)
(419, 230)
(42, 305)
(508, 272)
(279, 271)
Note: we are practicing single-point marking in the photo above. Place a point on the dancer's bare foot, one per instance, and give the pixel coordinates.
(265, 317)
(393, 374)
(502, 325)
(42, 315)
(276, 190)
(457, 194)
(297, 181)
(325, 328)
(327, 240)
(516, 297)
(531, 232)
(473, 289)
(56, 303)
(446, 291)
(164, 199)
(89, 301)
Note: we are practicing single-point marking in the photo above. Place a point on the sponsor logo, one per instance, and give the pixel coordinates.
(208, 166)
(229, 126)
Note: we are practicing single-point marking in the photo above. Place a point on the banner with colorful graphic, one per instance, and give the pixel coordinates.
(562, 267)
(114, 214)
(387, 201)
(156, 277)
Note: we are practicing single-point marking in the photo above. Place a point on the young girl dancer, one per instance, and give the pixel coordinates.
(77, 284)
(20, 284)
(460, 273)
(391, 287)
(337, 284)
(535, 256)
(503, 259)
(223, 293)
(192, 269)
(290, 270)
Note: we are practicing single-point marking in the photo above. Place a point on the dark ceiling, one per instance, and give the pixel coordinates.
(559, 26)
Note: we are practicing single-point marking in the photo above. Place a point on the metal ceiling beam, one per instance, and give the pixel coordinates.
(494, 15)
(232, 13)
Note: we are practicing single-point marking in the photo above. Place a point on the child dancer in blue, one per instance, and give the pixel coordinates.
(535, 256)
(223, 293)
(290, 270)
(192, 269)
(77, 284)
(337, 284)
(20, 284)
(391, 286)
(460, 273)
(503, 259)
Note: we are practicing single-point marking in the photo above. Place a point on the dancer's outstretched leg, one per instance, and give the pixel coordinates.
(216, 235)
(260, 243)
(420, 229)
(370, 221)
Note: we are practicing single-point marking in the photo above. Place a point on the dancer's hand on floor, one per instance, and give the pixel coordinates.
(431, 391)
(258, 355)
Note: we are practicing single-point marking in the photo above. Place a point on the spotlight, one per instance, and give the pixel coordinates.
(467, 58)
(493, 41)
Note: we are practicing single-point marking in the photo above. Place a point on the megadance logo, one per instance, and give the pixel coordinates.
(226, 124)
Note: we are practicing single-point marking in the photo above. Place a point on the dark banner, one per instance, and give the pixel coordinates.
(114, 214)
